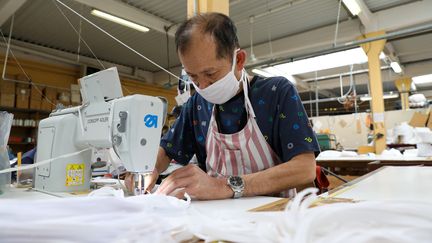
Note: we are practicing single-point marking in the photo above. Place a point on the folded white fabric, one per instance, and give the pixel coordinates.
(149, 218)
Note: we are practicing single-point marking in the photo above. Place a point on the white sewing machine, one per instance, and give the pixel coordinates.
(130, 125)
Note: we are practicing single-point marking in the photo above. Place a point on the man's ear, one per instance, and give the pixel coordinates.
(241, 59)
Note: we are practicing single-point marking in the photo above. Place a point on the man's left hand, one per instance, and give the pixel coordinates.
(195, 182)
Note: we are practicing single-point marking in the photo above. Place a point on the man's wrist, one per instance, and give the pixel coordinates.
(236, 183)
(225, 189)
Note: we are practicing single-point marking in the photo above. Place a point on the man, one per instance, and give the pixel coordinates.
(251, 135)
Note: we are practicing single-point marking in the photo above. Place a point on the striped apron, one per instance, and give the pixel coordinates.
(241, 153)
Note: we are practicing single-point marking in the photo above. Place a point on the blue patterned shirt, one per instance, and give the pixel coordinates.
(280, 115)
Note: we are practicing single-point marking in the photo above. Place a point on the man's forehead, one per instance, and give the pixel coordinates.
(201, 69)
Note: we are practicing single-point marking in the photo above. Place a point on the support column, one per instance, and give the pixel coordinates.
(204, 6)
(404, 86)
(373, 50)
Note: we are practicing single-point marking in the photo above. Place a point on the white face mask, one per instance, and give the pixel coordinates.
(223, 89)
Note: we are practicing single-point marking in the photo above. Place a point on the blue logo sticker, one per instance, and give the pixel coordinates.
(296, 126)
(150, 121)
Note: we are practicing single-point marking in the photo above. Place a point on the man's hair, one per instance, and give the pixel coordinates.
(220, 27)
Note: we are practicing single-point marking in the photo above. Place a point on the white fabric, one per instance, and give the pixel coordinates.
(424, 134)
(156, 218)
(391, 153)
(374, 221)
(147, 218)
(107, 191)
(337, 154)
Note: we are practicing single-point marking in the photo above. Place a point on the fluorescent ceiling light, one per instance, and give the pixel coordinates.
(422, 79)
(365, 98)
(352, 6)
(118, 20)
(262, 73)
(328, 61)
(396, 67)
(389, 95)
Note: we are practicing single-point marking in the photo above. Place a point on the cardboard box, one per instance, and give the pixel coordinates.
(49, 94)
(22, 101)
(7, 100)
(75, 87)
(75, 97)
(7, 87)
(418, 120)
(22, 96)
(46, 106)
(35, 97)
(64, 98)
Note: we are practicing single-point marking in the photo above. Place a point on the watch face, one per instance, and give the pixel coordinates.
(236, 181)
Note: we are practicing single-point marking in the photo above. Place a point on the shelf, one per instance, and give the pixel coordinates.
(21, 143)
(13, 109)
(23, 127)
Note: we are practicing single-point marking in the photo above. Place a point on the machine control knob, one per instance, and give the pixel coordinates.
(117, 140)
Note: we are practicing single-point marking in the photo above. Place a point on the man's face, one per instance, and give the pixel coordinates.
(201, 63)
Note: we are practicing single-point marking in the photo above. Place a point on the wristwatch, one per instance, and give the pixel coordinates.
(237, 185)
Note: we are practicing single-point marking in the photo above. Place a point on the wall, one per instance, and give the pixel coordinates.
(162, 78)
(131, 86)
(62, 75)
(345, 126)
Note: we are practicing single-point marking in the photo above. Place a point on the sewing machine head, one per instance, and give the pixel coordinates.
(130, 125)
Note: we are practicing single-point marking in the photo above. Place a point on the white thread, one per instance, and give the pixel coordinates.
(43, 162)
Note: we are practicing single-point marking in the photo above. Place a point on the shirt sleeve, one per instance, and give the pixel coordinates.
(295, 132)
(179, 141)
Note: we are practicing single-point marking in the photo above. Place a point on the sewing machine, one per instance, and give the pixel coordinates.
(130, 126)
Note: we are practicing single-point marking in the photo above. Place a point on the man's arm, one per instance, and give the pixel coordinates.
(298, 171)
(162, 163)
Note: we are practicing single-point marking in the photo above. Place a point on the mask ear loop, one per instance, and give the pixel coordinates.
(248, 104)
(234, 60)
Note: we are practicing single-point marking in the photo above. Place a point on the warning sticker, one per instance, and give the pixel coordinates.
(75, 174)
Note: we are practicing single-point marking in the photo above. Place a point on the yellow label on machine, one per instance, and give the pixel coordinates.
(75, 174)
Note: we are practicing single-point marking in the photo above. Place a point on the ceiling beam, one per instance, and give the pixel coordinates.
(8, 8)
(369, 21)
(412, 70)
(128, 12)
(404, 16)
(392, 19)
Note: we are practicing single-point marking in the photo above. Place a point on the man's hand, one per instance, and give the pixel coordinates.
(197, 183)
